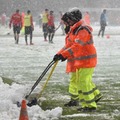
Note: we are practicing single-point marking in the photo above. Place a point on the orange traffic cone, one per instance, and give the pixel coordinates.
(23, 111)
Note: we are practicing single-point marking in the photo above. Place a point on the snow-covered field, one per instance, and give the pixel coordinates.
(24, 64)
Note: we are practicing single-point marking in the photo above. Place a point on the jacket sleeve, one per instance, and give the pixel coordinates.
(66, 46)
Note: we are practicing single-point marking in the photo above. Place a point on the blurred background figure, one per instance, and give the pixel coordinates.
(23, 27)
(62, 24)
(45, 23)
(87, 18)
(40, 20)
(3, 19)
(16, 20)
(51, 27)
(103, 23)
(29, 27)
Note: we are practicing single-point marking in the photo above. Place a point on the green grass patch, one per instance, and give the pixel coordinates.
(7, 80)
(107, 105)
(55, 92)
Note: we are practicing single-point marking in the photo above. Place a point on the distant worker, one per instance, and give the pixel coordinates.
(29, 27)
(51, 27)
(103, 23)
(62, 24)
(87, 18)
(45, 23)
(16, 20)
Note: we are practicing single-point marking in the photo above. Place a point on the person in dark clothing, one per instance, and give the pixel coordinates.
(103, 23)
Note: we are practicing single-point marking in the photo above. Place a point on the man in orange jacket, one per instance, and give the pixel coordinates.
(81, 56)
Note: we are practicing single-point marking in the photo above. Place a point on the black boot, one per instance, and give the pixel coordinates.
(32, 102)
(71, 103)
(87, 109)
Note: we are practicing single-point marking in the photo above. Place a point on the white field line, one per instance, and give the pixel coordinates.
(84, 115)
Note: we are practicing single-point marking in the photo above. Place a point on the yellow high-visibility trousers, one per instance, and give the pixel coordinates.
(73, 87)
(81, 87)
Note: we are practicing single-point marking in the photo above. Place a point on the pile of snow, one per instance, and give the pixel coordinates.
(9, 110)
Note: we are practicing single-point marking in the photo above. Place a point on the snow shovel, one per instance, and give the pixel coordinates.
(37, 82)
(35, 100)
(40, 78)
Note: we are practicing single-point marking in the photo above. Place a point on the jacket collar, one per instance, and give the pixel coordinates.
(77, 24)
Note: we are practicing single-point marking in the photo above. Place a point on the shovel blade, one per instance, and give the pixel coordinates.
(32, 102)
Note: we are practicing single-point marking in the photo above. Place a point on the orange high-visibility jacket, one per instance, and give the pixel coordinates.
(79, 49)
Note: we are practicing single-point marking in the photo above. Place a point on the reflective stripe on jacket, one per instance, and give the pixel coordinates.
(79, 49)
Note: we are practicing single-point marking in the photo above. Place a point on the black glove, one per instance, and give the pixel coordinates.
(62, 58)
(56, 57)
(59, 57)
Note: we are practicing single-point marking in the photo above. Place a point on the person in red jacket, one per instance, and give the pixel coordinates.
(51, 27)
(81, 56)
(16, 20)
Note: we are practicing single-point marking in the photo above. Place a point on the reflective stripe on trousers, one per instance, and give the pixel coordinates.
(81, 87)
